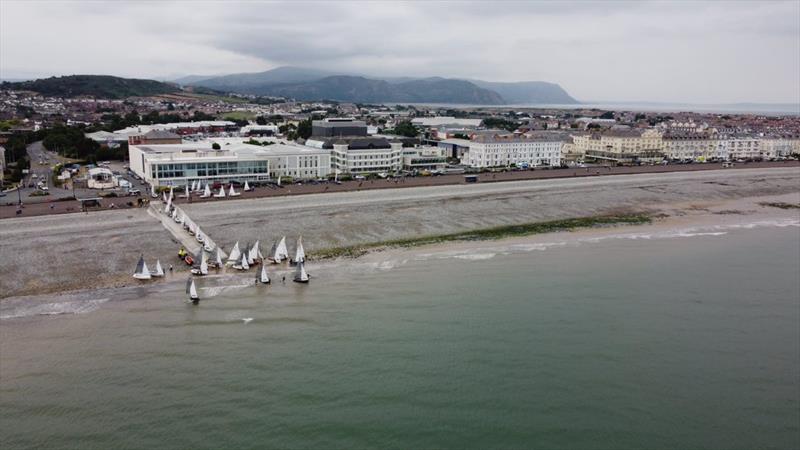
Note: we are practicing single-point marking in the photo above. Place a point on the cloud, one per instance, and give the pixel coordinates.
(650, 50)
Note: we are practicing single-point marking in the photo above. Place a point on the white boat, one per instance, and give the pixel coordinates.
(164, 195)
(247, 187)
(202, 268)
(207, 246)
(262, 275)
(221, 193)
(159, 272)
(206, 192)
(191, 289)
(232, 192)
(199, 235)
(235, 254)
(142, 272)
(192, 228)
(186, 192)
(217, 260)
(252, 254)
(300, 253)
(242, 265)
(178, 216)
(300, 275)
(280, 252)
(168, 206)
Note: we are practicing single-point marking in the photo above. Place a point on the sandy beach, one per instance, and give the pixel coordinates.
(61, 253)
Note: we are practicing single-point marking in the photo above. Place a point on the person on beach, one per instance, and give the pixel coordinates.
(283, 280)
(170, 268)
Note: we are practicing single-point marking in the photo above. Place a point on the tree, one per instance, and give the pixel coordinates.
(304, 129)
(215, 146)
(406, 128)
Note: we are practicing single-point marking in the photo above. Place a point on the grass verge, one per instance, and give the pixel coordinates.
(501, 232)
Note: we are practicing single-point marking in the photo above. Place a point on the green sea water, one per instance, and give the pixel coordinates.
(680, 342)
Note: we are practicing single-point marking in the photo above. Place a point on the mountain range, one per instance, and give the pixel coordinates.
(313, 84)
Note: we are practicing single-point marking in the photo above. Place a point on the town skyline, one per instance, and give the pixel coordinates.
(720, 52)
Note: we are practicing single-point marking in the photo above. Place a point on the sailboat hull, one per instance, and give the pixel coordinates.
(142, 276)
(298, 280)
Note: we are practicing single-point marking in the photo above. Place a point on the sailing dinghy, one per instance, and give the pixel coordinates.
(202, 269)
(142, 272)
(300, 275)
(221, 193)
(280, 252)
(232, 192)
(262, 275)
(206, 192)
(216, 262)
(159, 272)
(247, 187)
(235, 254)
(242, 265)
(300, 253)
(191, 289)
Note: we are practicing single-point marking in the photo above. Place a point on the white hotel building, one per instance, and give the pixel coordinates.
(181, 164)
(501, 151)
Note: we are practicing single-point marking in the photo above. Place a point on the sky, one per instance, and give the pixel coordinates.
(676, 51)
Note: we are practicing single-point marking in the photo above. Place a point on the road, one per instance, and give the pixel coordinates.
(9, 210)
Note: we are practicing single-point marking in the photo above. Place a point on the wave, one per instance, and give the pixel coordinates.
(54, 308)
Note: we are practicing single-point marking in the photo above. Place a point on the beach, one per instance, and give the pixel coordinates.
(69, 252)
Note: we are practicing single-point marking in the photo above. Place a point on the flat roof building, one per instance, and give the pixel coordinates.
(181, 164)
(337, 127)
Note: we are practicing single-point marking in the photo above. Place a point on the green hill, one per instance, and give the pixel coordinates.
(100, 86)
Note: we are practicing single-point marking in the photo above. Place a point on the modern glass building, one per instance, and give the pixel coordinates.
(181, 164)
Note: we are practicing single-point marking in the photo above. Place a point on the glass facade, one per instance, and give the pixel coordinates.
(209, 169)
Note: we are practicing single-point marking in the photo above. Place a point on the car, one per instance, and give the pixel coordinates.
(359, 178)
(134, 192)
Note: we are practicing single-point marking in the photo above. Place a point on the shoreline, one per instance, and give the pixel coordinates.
(691, 219)
(70, 253)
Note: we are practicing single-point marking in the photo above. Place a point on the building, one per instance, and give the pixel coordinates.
(454, 147)
(338, 127)
(204, 127)
(101, 178)
(110, 140)
(424, 158)
(446, 122)
(181, 164)
(504, 151)
(362, 156)
(155, 137)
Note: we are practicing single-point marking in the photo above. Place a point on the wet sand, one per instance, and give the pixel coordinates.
(60, 253)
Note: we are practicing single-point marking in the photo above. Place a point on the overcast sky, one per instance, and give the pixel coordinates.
(681, 51)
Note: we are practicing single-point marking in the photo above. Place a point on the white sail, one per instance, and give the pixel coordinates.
(244, 264)
(141, 272)
(263, 277)
(221, 193)
(171, 192)
(232, 192)
(206, 192)
(300, 253)
(235, 253)
(282, 250)
(300, 274)
(183, 218)
(164, 195)
(279, 180)
(218, 257)
(252, 255)
(159, 272)
(204, 264)
(193, 291)
(246, 186)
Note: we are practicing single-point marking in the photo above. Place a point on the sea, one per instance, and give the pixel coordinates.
(759, 109)
(631, 340)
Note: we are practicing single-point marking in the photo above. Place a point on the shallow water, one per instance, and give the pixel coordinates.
(680, 340)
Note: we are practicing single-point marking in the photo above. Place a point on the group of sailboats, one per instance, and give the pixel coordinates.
(206, 192)
(142, 272)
